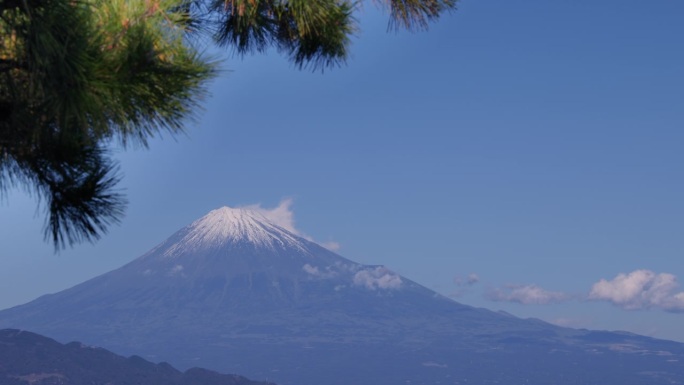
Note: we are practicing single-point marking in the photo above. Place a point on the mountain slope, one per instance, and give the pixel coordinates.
(28, 358)
(235, 292)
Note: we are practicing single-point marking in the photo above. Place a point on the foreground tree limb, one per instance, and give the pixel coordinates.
(77, 76)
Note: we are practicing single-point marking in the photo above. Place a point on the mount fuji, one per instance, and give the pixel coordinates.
(234, 292)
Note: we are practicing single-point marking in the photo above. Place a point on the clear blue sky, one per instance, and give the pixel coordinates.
(536, 144)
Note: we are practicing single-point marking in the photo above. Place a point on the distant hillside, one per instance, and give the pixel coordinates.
(30, 359)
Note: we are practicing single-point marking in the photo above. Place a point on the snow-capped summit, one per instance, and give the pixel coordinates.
(235, 242)
(226, 225)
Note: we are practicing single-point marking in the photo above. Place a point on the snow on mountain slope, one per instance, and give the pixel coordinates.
(233, 226)
(230, 242)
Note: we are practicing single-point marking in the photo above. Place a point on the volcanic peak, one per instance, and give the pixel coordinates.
(228, 225)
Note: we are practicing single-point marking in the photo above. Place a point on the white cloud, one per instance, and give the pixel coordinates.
(316, 272)
(331, 245)
(435, 364)
(468, 280)
(640, 289)
(527, 295)
(463, 284)
(379, 277)
(571, 322)
(176, 270)
(283, 216)
(311, 269)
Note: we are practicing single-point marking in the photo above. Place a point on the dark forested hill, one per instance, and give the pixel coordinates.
(30, 359)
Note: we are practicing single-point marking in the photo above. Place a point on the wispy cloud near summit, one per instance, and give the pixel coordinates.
(283, 216)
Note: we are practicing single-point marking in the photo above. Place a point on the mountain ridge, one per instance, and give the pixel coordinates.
(26, 357)
(256, 299)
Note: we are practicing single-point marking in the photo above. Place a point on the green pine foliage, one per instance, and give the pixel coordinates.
(310, 32)
(77, 76)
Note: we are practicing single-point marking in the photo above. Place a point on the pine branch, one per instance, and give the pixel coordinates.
(7, 65)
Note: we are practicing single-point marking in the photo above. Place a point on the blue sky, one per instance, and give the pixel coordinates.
(535, 147)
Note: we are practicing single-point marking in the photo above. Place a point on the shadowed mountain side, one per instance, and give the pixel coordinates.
(28, 358)
(236, 293)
